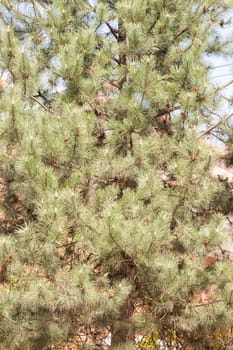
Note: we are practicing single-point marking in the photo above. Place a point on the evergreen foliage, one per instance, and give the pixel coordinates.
(110, 220)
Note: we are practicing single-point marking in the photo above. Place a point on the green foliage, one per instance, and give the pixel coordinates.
(108, 210)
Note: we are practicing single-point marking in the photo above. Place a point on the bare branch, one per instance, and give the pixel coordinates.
(181, 32)
(219, 88)
(47, 109)
(217, 124)
(112, 30)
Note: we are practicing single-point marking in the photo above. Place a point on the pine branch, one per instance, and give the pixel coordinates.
(219, 88)
(214, 113)
(112, 30)
(112, 237)
(230, 100)
(47, 109)
(207, 132)
(173, 219)
(184, 30)
(23, 328)
(89, 226)
(211, 302)
(152, 26)
(98, 112)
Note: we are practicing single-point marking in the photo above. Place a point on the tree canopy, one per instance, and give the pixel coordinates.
(111, 224)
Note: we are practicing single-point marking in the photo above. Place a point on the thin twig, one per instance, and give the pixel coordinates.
(214, 113)
(17, 324)
(230, 100)
(112, 30)
(224, 85)
(112, 237)
(152, 26)
(47, 109)
(99, 112)
(217, 124)
(181, 32)
(207, 303)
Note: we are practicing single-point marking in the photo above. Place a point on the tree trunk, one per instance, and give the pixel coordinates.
(122, 331)
(122, 38)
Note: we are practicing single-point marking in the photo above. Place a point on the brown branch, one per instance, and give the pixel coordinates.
(152, 26)
(113, 238)
(23, 15)
(230, 100)
(23, 328)
(208, 303)
(112, 83)
(173, 218)
(181, 32)
(217, 15)
(99, 112)
(41, 104)
(214, 113)
(88, 226)
(116, 60)
(112, 30)
(219, 88)
(217, 124)
(36, 11)
(150, 246)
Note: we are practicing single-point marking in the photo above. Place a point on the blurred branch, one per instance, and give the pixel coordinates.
(47, 109)
(219, 88)
(217, 124)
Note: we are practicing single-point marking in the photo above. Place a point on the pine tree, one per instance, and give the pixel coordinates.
(111, 222)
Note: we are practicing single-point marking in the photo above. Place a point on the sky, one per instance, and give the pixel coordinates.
(222, 66)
